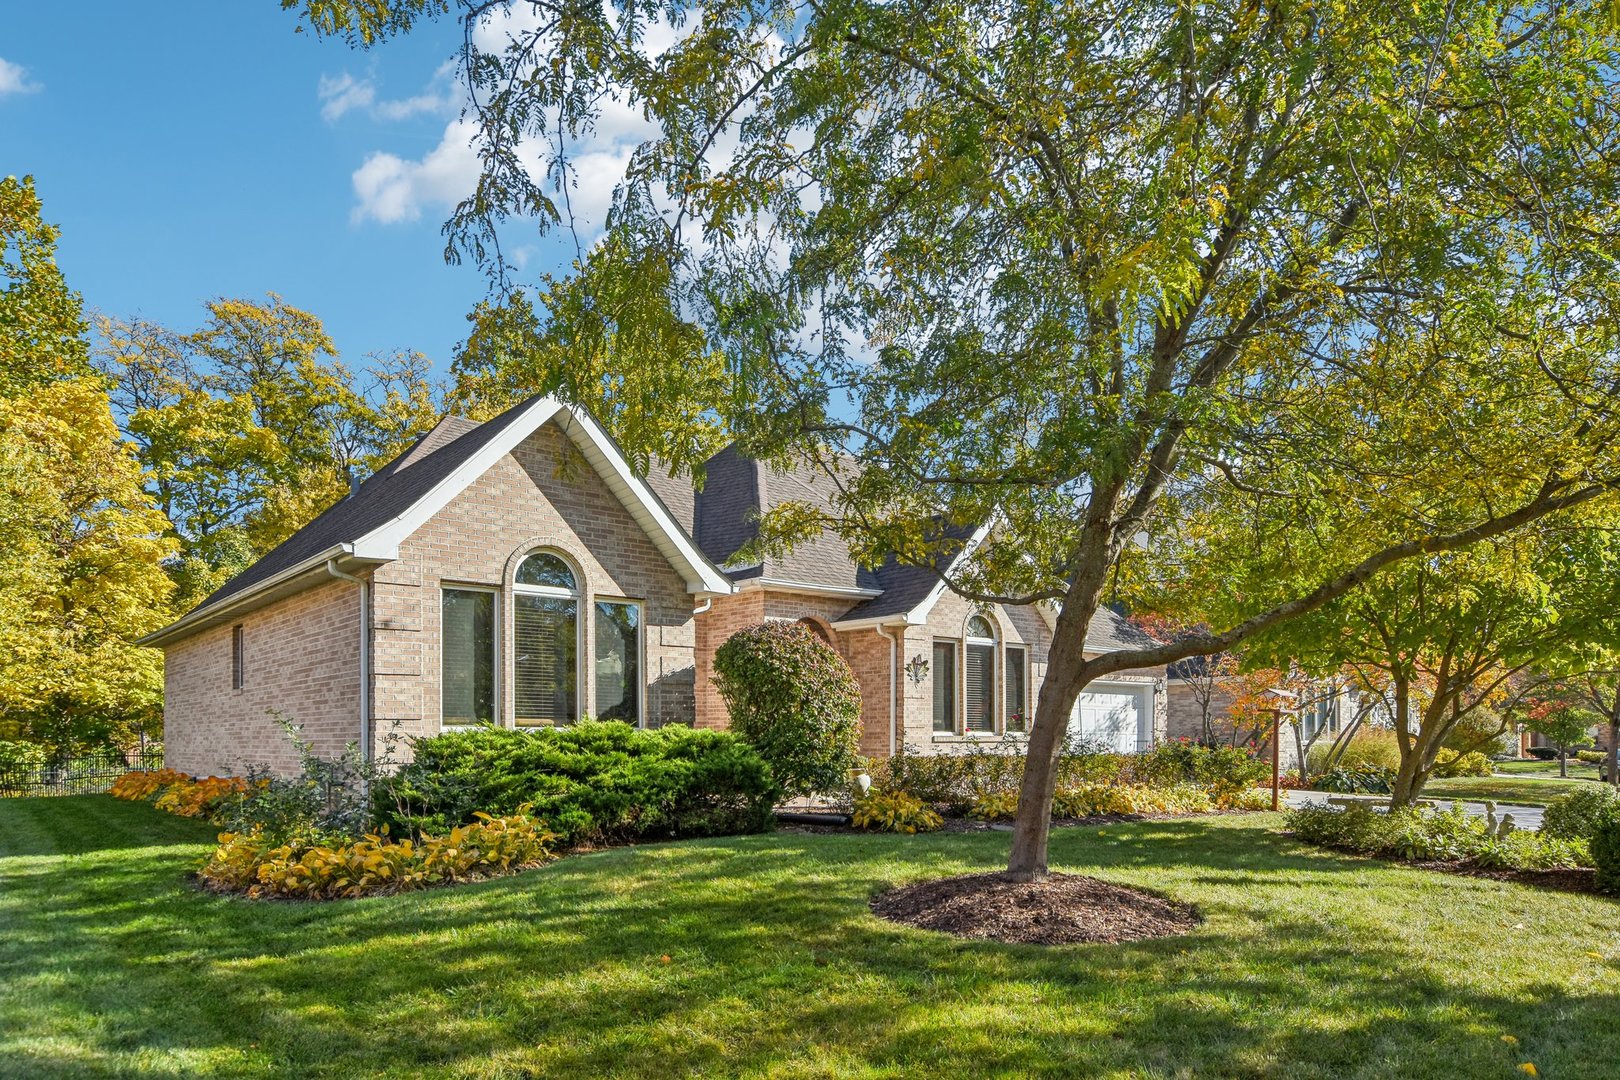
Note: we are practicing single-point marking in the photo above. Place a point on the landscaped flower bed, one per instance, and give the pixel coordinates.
(1450, 837)
(376, 865)
(914, 793)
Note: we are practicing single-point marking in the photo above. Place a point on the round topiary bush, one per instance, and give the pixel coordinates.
(795, 700)
(1576, 816)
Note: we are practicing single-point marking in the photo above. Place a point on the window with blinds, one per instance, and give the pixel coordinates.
(467, 656)
(545, 648)
(944, 686)
(979, 686)
(618, 661)
(1017, 689)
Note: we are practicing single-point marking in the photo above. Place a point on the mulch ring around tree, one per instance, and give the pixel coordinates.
(1065, 909)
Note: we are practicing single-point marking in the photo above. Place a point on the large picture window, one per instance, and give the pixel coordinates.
(618, 661)
(467, 656)
(979, 682)
(545, 643)
(944, 686)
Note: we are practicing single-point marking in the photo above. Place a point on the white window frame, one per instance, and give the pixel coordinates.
(495, 652)
(583, 657)
(641, 654)
(997, 721)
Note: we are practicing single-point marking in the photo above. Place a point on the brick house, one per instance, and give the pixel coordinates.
(520, 572)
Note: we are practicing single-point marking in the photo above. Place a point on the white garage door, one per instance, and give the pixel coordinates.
(1115, 714)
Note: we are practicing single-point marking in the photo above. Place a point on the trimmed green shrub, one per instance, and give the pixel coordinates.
(1576, 816)
(1605, 845)
(793, 699)
(1449, 763)
(1225, 770)
(594, 781)
(1591, 757)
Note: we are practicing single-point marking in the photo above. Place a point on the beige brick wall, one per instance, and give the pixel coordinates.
(1015, 626)
(301, 659)
(542, 495)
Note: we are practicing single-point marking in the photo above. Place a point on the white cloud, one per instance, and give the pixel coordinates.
(391, 189)
(344, 93)
(14, 79)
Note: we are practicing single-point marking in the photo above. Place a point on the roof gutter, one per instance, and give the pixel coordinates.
(182, 626)
(808, 588)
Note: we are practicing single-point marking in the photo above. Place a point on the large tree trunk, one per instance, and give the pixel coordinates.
(1563, 762)
(1417, 748)
(1066, 676)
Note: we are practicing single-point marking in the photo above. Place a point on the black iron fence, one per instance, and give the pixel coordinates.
(85, 775)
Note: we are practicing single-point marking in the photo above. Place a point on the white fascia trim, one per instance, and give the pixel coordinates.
(919, 614)
(807, 588)
(236, 600)
(702, 577)
(388, 537)
(870, 624)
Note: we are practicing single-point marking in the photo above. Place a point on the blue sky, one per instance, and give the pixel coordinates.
(191, 150)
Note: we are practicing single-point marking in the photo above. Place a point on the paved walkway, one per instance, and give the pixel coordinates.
(1524, 817)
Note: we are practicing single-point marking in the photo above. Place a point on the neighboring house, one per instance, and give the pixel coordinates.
(520, 572)
(1200, 696)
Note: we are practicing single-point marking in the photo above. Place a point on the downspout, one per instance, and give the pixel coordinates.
(365, 656)
(894, 644)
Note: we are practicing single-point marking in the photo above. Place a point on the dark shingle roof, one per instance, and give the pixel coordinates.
(904, 585)
(1110, 632)
(384, 495)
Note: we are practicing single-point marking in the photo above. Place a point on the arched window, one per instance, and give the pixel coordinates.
(545, 642)
(979, 676)
(545, 570)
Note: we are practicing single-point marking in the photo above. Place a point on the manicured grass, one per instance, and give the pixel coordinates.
(1530, 791)
(757, 956)
(1577, 770)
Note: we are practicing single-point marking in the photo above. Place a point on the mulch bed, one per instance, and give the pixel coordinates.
(972, 825)
(1065, 909)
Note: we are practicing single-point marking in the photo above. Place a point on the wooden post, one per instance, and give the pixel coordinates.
(1276, 759)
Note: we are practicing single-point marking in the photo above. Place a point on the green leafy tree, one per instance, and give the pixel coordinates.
(250, 426)
(81, 543)
(1458, 639)
(42, 328)
(1073, 268)
(1564, 723)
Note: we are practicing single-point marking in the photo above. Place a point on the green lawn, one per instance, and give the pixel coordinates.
(1506, 789)
(1577, 770)
(1310, 965)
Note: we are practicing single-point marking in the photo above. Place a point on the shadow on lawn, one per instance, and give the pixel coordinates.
(773, 964)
